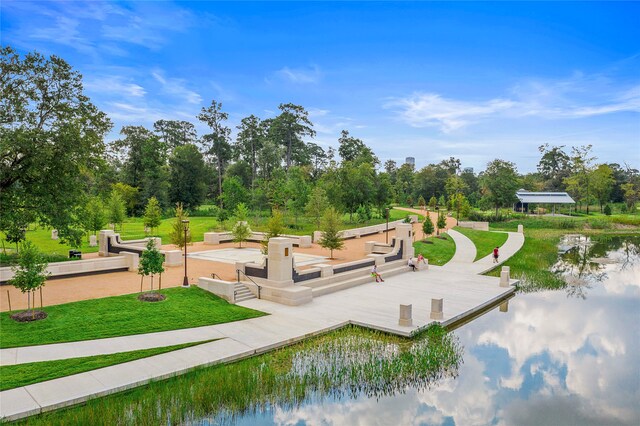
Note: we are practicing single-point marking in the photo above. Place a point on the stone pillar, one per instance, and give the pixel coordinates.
(505, 276)
(103, 238)
(504, 306)
(173, 257)
(405, 316)
(93, 241)
(133, 260)
(520, 229)
(54, 234)
(404, 233)
(325, 270)
(437, 309)
(280, 260)
(368, 247)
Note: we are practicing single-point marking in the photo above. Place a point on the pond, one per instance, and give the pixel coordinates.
(569, 356)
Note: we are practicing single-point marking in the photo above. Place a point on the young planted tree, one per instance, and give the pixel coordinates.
(318, 202)
(116, 210)
(95, 216)
(29, 275)
(151, 264)
(421, 202)
(441, 223)
(433, 202)
(241, 230)
(427, 226)
(275, 228)
(331, 231)
(152, 214)
(177, 234)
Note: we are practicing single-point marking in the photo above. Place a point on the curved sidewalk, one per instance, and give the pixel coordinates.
(463, 260)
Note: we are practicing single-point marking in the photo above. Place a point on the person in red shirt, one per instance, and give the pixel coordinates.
(495, 255)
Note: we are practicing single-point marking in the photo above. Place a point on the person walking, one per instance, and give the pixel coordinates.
(421, 259)
(411, 264)
(495, 255)
(376, 275)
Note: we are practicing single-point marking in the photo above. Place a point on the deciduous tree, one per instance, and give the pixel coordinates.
(51, 136)
(331, 231)
(30, 273)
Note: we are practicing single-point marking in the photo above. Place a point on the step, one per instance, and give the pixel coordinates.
(242, 293)
(353, 282)
(356, 273)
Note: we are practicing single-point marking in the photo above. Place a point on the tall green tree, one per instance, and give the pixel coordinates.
(51, 136)
(288, 129)
(152, 214)
(579, 183)
(175, 133)
(233, 193)
(554, 167)
(354, 150)
(383, 192)
(129, 195)
(602, 182)
(331, 231)
(250, 139)
(116, 210)
(297, 191)
(187, 176)
(30, 273)
(216, 143)
(500, 183)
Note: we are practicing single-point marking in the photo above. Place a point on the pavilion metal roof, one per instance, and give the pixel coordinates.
(544, 197)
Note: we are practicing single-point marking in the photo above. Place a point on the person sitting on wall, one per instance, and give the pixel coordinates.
(411, 264)
(375, 274)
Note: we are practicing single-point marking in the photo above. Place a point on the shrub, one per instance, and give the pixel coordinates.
(607, 210)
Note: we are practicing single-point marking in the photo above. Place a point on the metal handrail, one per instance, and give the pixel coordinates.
(214, 275)
(238, 272)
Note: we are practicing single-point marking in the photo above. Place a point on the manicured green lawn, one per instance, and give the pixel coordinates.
(14, 376)
(133, 229)
(438, 251)
(484, 241)
(122, 316)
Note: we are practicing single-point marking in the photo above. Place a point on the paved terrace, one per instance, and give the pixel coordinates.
(371, 305)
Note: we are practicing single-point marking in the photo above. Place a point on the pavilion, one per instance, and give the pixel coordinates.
(525, 198)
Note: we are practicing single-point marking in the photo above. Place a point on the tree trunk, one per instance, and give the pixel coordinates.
(151, 282)
(141, 280)
(220, 181)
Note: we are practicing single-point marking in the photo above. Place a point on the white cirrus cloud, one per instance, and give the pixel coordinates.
(579, 96)
(176, 87)
(310, 75)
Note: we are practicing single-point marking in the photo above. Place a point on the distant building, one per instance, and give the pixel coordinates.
(525, 198)
(410, 160)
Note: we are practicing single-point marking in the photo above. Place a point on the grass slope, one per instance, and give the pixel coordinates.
(438, 251)
(14, 376)
(484, 241)
(121, 316)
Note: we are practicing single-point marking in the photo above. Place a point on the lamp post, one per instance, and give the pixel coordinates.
(386, 213)
(185, 225)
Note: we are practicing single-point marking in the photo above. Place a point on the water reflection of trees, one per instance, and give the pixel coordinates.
(582, 260)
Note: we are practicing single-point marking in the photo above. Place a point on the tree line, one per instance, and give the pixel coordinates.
(57, 169)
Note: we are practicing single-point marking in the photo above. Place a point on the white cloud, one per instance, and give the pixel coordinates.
(310, 75)
(114, 85)
(176, 87)
(577, 97)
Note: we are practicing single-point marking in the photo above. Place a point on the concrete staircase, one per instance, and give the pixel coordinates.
(242, 293)
(322, 286)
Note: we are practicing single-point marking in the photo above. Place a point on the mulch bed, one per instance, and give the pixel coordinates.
(151, 297)
(27, 316)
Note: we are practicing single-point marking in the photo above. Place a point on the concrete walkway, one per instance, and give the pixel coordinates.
(463, 259)
(370, 305)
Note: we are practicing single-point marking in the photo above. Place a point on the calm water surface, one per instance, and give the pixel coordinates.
(555, 357)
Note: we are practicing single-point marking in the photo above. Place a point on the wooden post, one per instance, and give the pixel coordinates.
(40, 297)
(141, 278)
(160, 282)
(9, 297)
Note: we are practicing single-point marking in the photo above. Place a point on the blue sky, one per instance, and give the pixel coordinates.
(476, 81)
